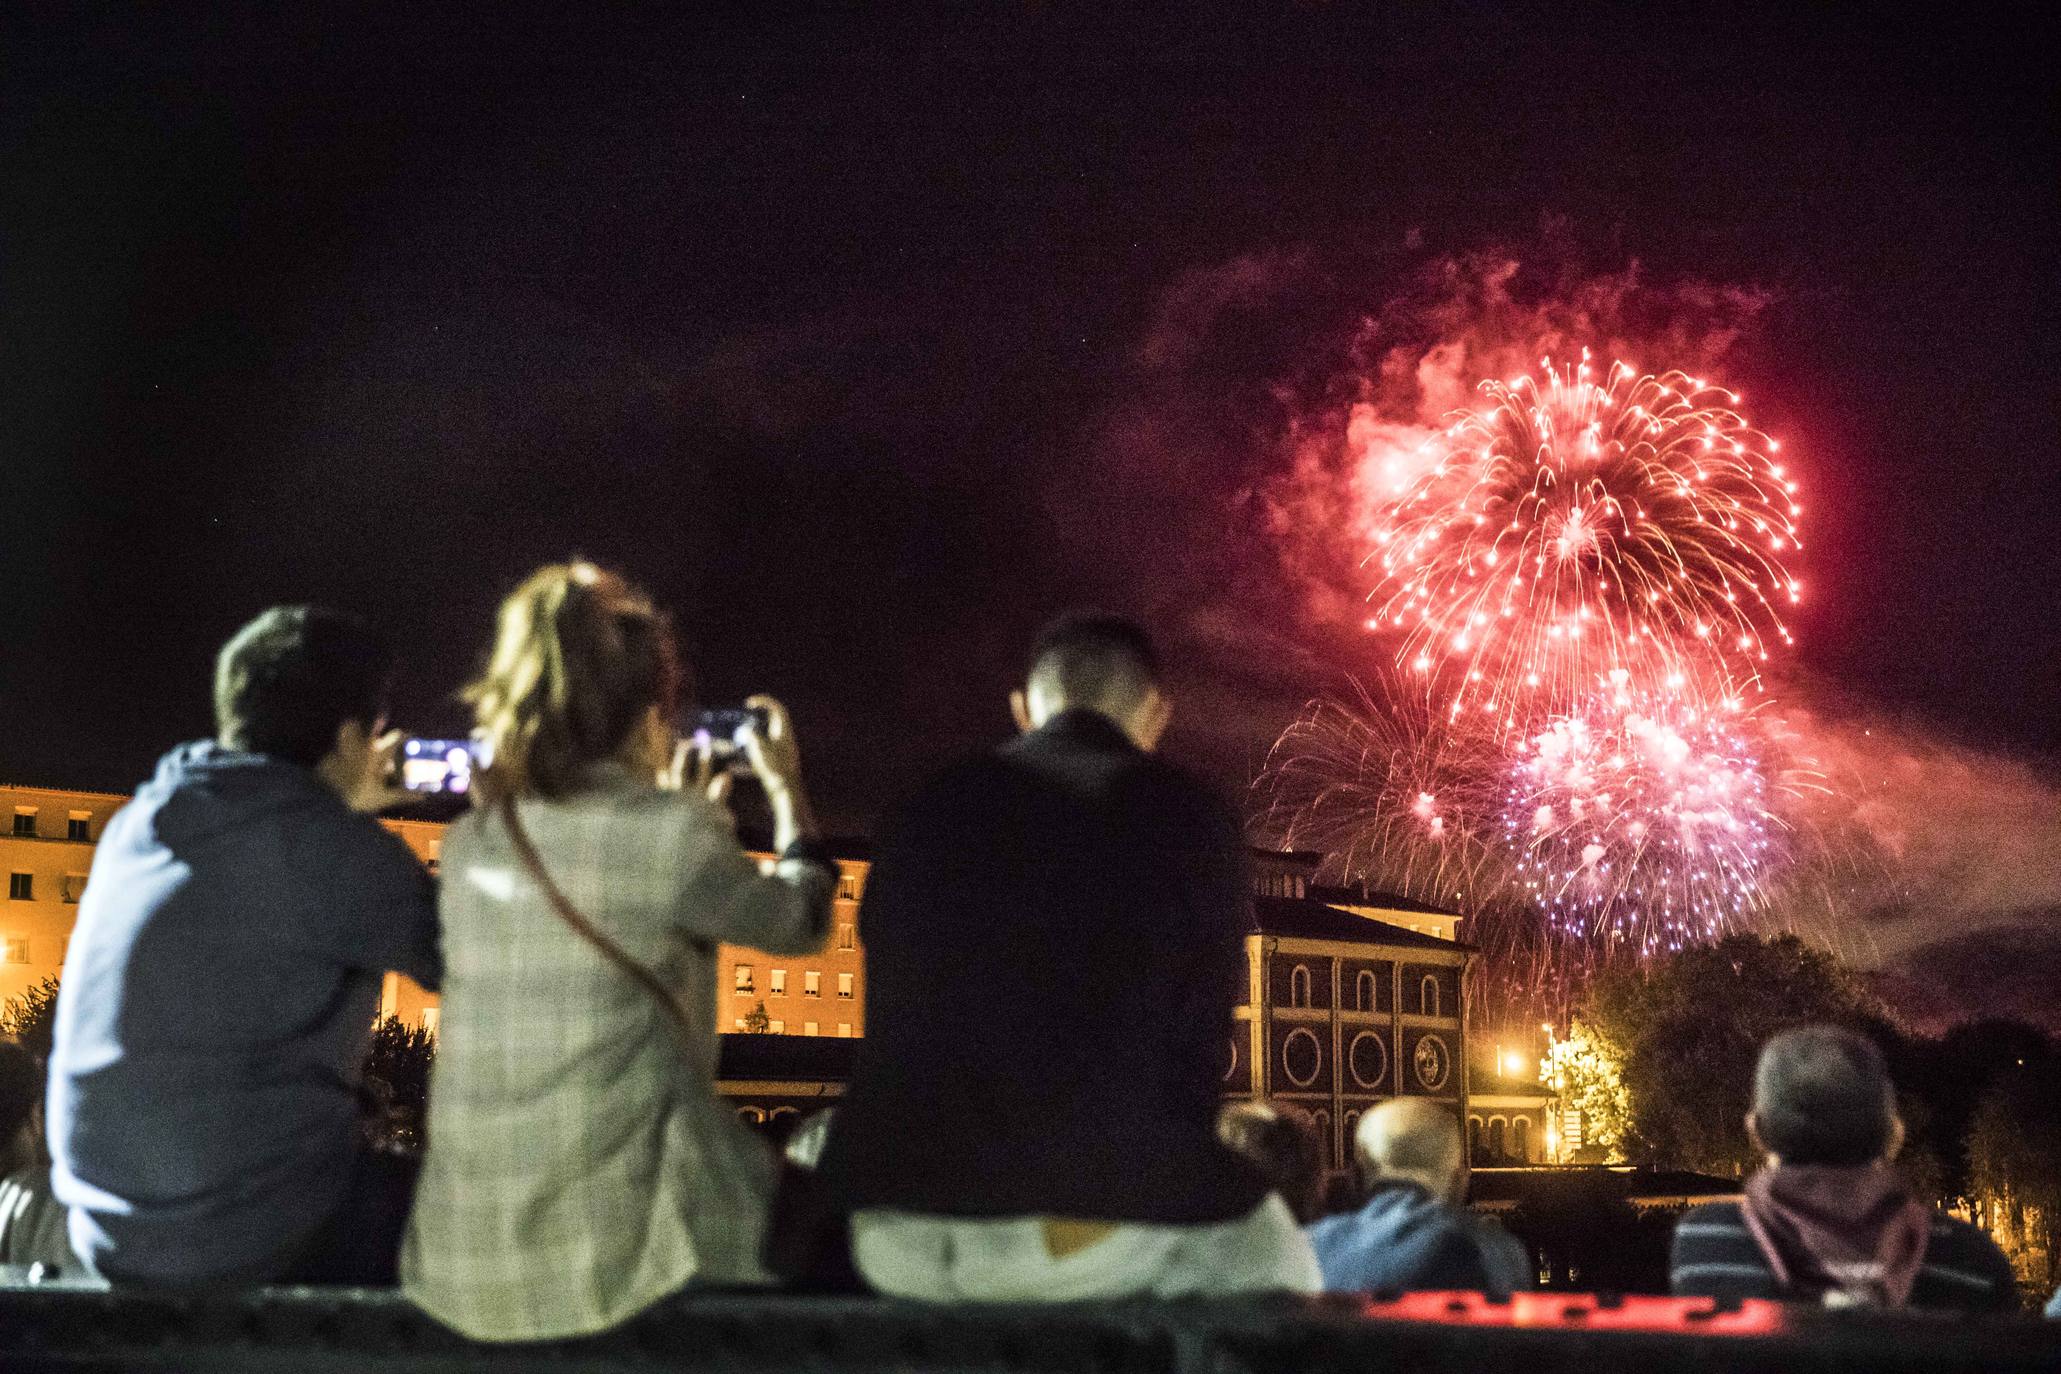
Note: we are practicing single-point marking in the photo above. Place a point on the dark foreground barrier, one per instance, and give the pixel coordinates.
(271, 1330)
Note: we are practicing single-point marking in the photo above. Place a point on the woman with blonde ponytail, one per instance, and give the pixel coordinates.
(580, 1165)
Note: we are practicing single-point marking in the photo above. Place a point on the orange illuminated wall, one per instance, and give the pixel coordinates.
(788, 1011)
(46, 848)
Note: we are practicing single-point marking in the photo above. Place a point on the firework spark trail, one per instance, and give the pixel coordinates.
(1644, 821)
(1568, 528)
(1396, 796)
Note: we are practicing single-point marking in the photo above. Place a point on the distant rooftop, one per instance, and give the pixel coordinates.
(787, 1058)
(1389, 901)
(1309, 919)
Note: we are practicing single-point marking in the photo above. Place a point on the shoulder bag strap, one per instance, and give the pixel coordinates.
(570, 914)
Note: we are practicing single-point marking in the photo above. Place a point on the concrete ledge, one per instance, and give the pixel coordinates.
(75, 1328)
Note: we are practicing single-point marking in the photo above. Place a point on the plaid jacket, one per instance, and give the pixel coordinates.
(580, 1165)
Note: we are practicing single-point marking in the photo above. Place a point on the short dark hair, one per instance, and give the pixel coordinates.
(1281, 1141)
(21, 1089)
(1092, 656)
(1822, 1095)
(286, 682)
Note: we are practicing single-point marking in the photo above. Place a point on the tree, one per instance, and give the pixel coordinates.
(1687, 1031)
(1588, 1080)
(31, 1017)
(2014, 1167)
(757, 1022)
(395, 1086)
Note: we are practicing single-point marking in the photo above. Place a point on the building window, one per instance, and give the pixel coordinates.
(79, 826)
(777, 1027)
(17, 949)
(848, 888)
(812, 984)
(844, 1030)
(776, 981)
(1520, 1138)
(25, 821)
(1299, 986)
(1427, 996)
(1364, 990)
(1496, 1150)
(847, 935)
(743, 979)
(844, 985)
(739, 1023)
(811, 1028)
(74, 886)
(21, 887)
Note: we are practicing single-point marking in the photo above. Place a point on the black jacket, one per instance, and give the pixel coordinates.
(1053, 940)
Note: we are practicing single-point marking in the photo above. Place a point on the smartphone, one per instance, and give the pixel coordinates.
(720, 732)
(437, 767)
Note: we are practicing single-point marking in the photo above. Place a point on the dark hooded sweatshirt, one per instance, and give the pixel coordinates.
(217, 1000)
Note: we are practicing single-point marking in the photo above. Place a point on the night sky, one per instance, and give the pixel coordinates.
(842, 334)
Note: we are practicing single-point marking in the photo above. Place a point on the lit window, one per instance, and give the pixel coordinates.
(776, 981)
(812, 984)
(844, 985)
(777, 1027)
(739, 1023)
(844, 1030)
(848, 888)
(25, 821)
(79, 826)
(17, 949)
(847, 935)
(810, 1028)
(21, 887)
(743, 979)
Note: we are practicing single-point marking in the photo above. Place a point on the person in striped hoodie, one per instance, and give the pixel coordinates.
(1827, 1219)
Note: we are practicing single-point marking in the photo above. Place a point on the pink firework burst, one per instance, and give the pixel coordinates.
(1567, 528)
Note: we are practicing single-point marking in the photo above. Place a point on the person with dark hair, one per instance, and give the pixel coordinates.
(219, 992)
(1827, 1219)
(580, 1166)
(32, 1224)
(1053, 943)
(1415, 1231)
(1281, 1141)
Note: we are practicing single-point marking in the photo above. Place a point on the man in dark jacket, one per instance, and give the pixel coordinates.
(1415, 1232)
(1827, 1220)
(222, 978)
(1053, 946)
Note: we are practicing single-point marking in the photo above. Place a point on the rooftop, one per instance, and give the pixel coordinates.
(1306, 918)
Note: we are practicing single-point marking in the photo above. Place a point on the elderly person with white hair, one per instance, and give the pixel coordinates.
(1415, 1232)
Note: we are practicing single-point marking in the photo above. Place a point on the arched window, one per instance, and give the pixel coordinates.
(751, 1116)
(1496, 1138)
(1427, 996)
(1520, 1138)
(1364, 990)
(1299, 986)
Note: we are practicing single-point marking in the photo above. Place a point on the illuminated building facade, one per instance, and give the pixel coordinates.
(1350, 998)
(46, 849)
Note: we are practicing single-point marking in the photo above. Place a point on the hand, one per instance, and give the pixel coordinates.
(378, 786)
(774, 755)
(695, 766)
(776, 758)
